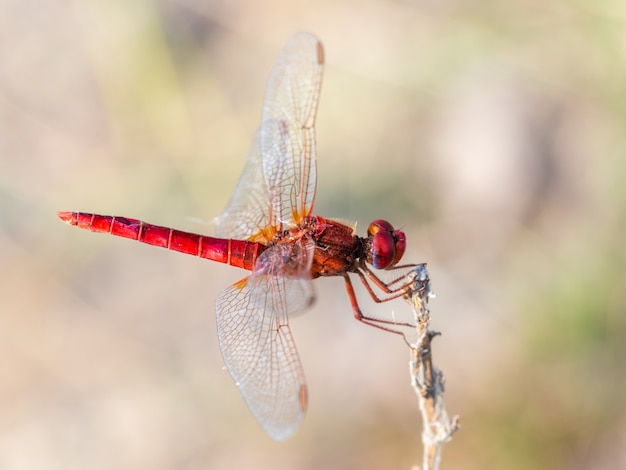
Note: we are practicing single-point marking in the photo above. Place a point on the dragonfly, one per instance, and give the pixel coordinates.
(269, 229)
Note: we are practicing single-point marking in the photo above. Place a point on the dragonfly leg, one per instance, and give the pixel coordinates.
(376, 322)
(393, 268)
(393, 293)
(385, 286)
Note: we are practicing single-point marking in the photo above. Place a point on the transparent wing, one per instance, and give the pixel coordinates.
(249, 208)
(288, 143)
(279, 180)
(256, 341)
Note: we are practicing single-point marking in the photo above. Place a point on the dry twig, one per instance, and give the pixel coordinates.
(426, 379)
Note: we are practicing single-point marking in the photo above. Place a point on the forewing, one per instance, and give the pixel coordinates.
(278, 182)
(256, 341)
(288, 141)
(249, 208)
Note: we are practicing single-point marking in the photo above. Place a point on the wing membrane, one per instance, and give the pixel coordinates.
(291, 100)
(249, 209)
(279, 180)
(256, 341)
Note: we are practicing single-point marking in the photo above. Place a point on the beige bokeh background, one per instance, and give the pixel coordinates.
(492, 132)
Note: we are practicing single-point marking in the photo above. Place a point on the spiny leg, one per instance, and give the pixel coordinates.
(385, 286)
(394, 294)
(375, 322)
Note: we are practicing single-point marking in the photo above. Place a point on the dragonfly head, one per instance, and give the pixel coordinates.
(386, 245)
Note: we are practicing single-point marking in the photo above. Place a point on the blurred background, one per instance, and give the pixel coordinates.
(491, 132)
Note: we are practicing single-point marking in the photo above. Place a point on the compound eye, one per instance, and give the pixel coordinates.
(383, 249)
(379, 225)
(400, 246)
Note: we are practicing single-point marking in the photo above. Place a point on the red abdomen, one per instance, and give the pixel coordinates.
(239, 253)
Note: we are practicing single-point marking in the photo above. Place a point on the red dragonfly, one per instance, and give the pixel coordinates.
(268, 228)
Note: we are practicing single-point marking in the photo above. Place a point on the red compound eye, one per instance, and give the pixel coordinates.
(383, 246)
(400, 246)
(383, 250)
(379, 225)
(387, 245)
